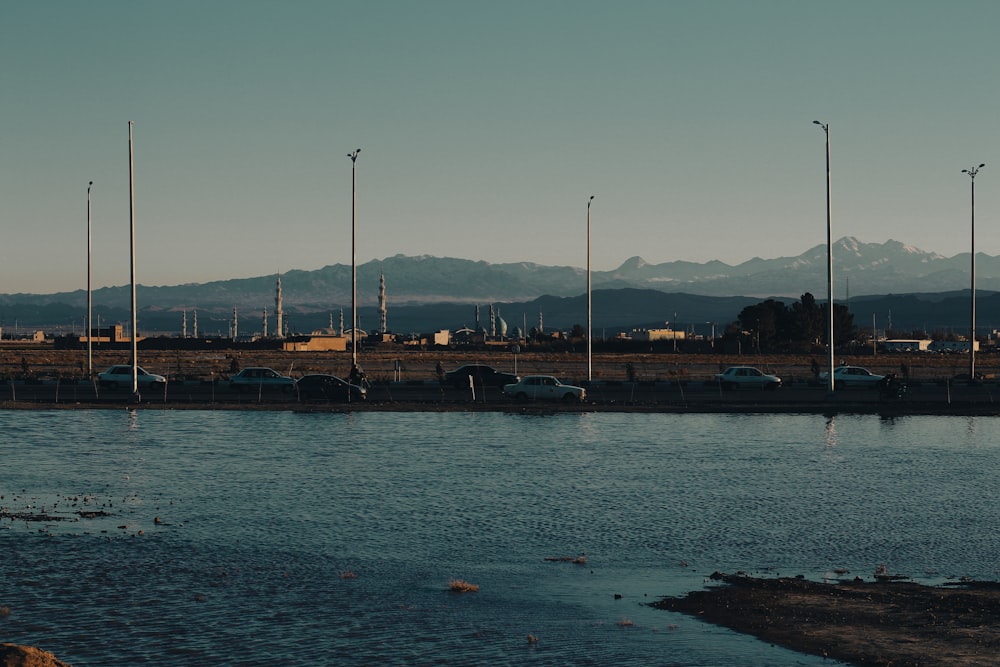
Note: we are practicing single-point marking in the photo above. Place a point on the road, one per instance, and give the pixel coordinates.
(667, 396)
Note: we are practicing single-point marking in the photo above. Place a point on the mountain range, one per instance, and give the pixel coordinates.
(425, 293)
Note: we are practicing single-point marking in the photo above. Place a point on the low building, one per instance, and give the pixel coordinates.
(650, 335)
(952, 346)
(315, 343)
(906, 345)
(442, 337)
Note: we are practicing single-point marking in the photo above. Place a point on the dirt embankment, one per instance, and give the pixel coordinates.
(894, 623)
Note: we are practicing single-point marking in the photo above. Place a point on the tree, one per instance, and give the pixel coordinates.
(807, 320)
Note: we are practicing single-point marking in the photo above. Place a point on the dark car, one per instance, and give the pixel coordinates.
(259, 379)
(330, 388)
(481, 374)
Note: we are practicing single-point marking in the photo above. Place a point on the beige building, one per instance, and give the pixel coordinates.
(650, 335)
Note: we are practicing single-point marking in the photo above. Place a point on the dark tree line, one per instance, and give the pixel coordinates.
(775, 327)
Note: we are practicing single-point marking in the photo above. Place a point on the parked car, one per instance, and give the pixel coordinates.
(481, 375)
(121, 376)
(544, 387)
(747, 376)
(330, 388)
(260, 378)
(852, 376)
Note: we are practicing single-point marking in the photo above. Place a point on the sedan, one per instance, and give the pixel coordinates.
(481, 374)
(746, 376)
(330, 388)
(544, 387)
(852, 376)
(121, 376)
(260, 378)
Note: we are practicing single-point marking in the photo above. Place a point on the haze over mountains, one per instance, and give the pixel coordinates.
(652, 292)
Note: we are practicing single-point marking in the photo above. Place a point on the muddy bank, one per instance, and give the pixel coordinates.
(865, 623)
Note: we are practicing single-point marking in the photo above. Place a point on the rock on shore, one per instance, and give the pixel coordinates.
(897, 624)
(13, 655)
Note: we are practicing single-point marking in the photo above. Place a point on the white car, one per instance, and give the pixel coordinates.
(852, 376)
(121, 376)
(544, 387)
(747, 376)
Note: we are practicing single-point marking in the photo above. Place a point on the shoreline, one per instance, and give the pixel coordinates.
(885, 622)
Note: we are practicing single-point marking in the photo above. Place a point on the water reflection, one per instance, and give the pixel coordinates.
(831, 431)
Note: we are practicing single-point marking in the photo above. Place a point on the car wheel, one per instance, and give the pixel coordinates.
(771, 386)
(569, 397)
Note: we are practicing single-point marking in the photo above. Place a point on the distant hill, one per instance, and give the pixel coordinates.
(427, 293)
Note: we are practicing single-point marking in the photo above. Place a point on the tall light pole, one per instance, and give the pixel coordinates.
(131, 219)
(354, 256)
(829, 263)
(590, 319)
(90, 300)
(972, 270)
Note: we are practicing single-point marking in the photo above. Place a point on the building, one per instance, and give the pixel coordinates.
(904, 345)
(650, 335)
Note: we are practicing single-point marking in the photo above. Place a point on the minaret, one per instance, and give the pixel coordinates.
(341, 321)
(493, 322)
(195, 322)
(381, 302)
(265, 321)
(331, 321)
(477, 318)
(541, 324)
(277, 309)
(236, 324)
(184, 325)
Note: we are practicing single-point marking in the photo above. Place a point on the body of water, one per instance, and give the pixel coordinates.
(261, 538)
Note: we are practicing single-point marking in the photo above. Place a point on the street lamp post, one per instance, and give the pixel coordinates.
(90, 301)
(354, 257)
(590, 319)
(131, 216)
(972, 271)
(829, 263)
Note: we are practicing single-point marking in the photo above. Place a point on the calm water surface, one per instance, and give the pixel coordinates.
(319, 539)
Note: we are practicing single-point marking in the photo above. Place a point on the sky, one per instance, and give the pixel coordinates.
(484, 129)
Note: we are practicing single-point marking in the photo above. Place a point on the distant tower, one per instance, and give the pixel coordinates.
(478, 328)
(195, 322)
(184, 325)
(331, 321)
(265, 321)
(341, 321)
(493, 322)
(541, 323)
(381, 302)
(236, 324)
(278, 310)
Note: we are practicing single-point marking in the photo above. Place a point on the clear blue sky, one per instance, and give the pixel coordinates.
(484, 127)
